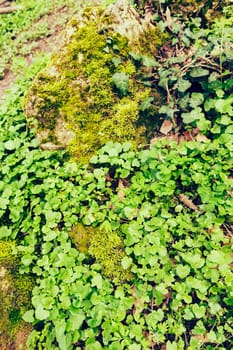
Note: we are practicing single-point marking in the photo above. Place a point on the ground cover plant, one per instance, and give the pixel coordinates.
(134, 250)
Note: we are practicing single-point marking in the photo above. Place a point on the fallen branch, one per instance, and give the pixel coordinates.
(9, 9)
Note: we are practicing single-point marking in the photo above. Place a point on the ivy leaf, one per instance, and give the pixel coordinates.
(121, 81)
(183, 85)
(149, 61)
(196, 99)
(135, 56)
(198, 72)
(146, 103)
(116, 61)
(195, 114)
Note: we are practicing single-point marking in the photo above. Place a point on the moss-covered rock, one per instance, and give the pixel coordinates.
(15, 296)
(75, 100)
(106, 248)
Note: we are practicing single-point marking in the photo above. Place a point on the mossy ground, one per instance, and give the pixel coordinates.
(77, 85)
(15, 295)
(106, 248)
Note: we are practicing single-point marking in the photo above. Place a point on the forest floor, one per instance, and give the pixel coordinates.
(45, 29)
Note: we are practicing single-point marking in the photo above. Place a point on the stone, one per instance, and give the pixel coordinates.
(74, 103)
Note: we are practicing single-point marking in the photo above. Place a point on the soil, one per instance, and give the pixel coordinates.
(56, 22)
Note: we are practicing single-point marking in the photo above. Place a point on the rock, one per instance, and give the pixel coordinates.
(74, 103)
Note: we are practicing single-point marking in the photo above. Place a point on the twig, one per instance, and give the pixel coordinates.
(9, 9)
(188, 202)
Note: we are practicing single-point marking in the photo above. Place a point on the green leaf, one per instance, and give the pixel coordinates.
(28, 316)
(199, 328)
(94, 346)
(5, 232)
(183, 85)
(219, 257)
(199, 311)
(116, 61)
(12, 144)
(97, 281)
(3, 203)
(115, 346)
(27, 259)
(126, 262)
(195, 114)
(121, 81)
(135, 56)
(228, 301)
(203, 124)
(76, 321)
(199, 72)
(41, 313)
(149, 61)
(182, 271)
(60, 327)
(154, 317)
(134, 347)
(171, 346)
(196, 99)
(146, 103)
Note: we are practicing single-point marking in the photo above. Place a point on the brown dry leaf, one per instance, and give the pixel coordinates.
(120, 193)
(166, 127)
(201, 138)
(173, 137)
(188, 136)
(168, 17)
(184, 199)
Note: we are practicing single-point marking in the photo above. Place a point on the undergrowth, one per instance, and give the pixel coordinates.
(180, 292)
(164, 213)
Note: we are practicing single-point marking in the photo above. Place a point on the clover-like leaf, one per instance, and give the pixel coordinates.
(121, 81)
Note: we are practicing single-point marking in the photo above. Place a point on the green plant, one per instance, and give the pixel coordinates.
(194, 72)
(168, 211)
(179, 257)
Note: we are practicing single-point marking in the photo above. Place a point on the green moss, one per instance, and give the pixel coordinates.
(106, 247)
(15, 292)
(77, 85)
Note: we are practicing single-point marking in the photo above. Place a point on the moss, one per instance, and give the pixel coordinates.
(15, 292)
(105, 247)
(77, 85)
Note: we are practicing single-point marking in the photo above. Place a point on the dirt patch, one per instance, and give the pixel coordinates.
(5, 83)
(55, 21)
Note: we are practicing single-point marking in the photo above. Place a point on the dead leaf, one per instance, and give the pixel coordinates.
(168, 17)
(188, 136)
(166, 127)
(201, 138)
(121, 193)
(188, 202)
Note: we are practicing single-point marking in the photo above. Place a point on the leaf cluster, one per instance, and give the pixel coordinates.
(180, 293)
